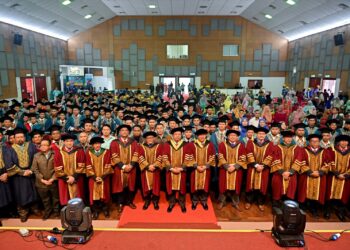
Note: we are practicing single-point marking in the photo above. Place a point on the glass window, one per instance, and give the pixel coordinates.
(230, 50)
(177, 51)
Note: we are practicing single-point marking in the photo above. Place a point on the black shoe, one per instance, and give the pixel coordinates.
(37, 212)
(314, 214)
(170, 208)
(95, 215)
(119, 208)
(132, 205)
(194, 206)
(327, 215)
(55, 215)
(183, 209)
(205, 206)
(106, 213)
(24, 218)
(341, 216)
(146, 205)
(156, 205)
(46, 216)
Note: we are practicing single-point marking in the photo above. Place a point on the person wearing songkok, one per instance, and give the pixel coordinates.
(98, 170)
(36, 137)
(326, 138)
(150, 162)
(232, 160)
(338, 179)
(311, 127)
(46, 181)
(259, 159)
(7, 123)
(299, 138)
(286, 165)
(312, 180)
(124, 151)
(275, 133)
(173, 161)
(249, 136)
(200, 157)
(107, 137)
(6, 162)
(69, 164)
(108, 120)
(22, 179)
(88, 129)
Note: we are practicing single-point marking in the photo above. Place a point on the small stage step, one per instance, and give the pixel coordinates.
(150, 218)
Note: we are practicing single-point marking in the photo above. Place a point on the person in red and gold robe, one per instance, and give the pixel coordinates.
(287, 162)
(259, 159)
(69, 163)
(338, 181)
(150, 162)
(173, 162)
(98, 169)
(312, 180)
(200, 158)
(232, 161)
(124, 152)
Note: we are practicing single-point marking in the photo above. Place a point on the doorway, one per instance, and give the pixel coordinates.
(27, 88)
(187, 81)
(329, 84)
(33, 89)
(40, 87)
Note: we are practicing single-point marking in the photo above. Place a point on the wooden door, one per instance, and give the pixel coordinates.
(40, 88)
(27, 88)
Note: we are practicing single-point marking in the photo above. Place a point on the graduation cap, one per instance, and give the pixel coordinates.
(324, 131)
(250, 127)
(299, 125)
(14, 101)
(15, 105)
(265, 130)
(74, 107)
(149, 133)
(188, 128)
(30, 115)
(123, 126)
(223, 118)
(7, 118)
(186, 117)
(19, 131)
(36, 132)
(96, 139)
(62, 112)
(275, 125)
(347, 122)
(11, 112)
(329, 122)
(9, 132)
(128, 118)
(55, 128)
(152, 117)
(206, 122)
(213, 122)
(179, 129)
(231, 131)
(340, 138)
(107, 110)
(234, 123)
(42, 111)
(196, 116)
(309, 117)
(287, 133)
(87, 109)
(209, 107)
(2, 131)
(314, 136)
(201, 131)
(68, 136)
(5, 101)
(173, 119)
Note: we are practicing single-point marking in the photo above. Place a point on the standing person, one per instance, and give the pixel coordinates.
(56, 142)
(22, 179)
(106, 136)
(299, 137)
(46, 181)
(98, 170)
(232, 161)
(173, 162)
(150, 162)
(124, 152)
(312, 179)
(338, 180)
(69, 164)
(259, 159)
(202, 153)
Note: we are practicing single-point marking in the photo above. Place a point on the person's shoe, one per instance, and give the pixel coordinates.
(170, 208)
(194, 206)
(95, 215)
(37, 212)
(314, 213)
(55, 215)
(183, 209)
(205, 206)
(261, 208)
(106, 213)
(327, 215)
(247, 206)
(156, 205)
(132, 205)
(46, 216)
(146, 205)
(220, 205)
(341, 216)
(236, 206)
(24, 218)
(119, 208)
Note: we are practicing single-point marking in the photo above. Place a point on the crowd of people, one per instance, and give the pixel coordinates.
(104, 147)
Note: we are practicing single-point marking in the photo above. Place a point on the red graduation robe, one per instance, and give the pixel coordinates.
(123, 154)
(70, 163)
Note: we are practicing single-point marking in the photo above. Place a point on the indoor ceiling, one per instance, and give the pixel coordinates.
(290, 20)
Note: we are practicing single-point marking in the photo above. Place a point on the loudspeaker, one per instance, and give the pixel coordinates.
(17, 39)
(339, 39)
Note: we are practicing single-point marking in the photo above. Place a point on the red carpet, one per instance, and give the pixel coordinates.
(150, 218)
(172, 240)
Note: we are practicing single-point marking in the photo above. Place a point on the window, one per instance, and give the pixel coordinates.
(177, 51)
(231, 50)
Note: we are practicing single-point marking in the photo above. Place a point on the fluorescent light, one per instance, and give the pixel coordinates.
(290, 2)
(152, 6)
(66, 2)
(317, 29)
(88, 16)
(33, 28)
(268, 16)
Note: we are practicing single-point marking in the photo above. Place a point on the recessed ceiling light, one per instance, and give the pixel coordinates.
(268, 16)
(66, 2)
(152, 6)
(88, 16)
(290, 2)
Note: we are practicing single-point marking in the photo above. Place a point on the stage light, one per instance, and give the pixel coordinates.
(268, 16)
(289, 225)
(76, 220)
(66, 2)
(290, 2)
(152, 6)
(88, 16)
